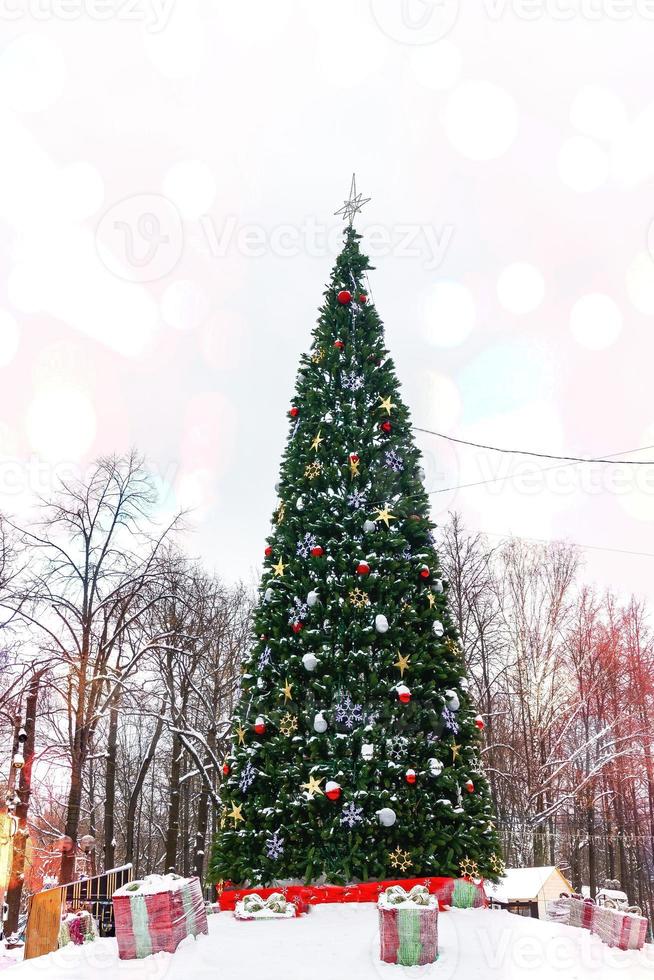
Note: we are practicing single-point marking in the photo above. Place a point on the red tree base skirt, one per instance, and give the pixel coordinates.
(305, 895)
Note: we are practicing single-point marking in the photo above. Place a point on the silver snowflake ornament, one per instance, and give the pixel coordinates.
(247, 777)
(351, 814)
(352, 381)
(357, 500)
(393, 461)
(450, 721)
(275, 846)
(304, 546)
(299, 613)
(264, 659)
(347, 713)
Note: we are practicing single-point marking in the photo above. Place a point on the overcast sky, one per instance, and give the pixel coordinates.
(168, 177)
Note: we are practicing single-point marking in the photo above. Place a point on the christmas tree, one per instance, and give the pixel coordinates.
(356, 745)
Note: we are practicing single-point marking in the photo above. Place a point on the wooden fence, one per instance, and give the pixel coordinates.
(45, 908)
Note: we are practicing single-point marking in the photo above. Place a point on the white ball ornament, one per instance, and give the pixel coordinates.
(367, 751)
(438, 628)
(381, 623)
(312, 598)
(299, 503)
(438, 585)
(464, 684)
(452, 700)
(328, 418)
(435, 767)
(320, 723)
(369, 527)
(309, 662)
(268, 594)
(387, 817)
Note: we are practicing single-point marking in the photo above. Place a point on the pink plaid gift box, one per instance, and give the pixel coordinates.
(626, 930)
(155, 914)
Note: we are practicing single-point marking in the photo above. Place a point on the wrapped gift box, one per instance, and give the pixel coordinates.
(626, 930)
(156, 913)
(581, 912)
(408, 926)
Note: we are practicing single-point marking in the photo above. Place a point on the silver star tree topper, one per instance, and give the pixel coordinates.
(353, 204)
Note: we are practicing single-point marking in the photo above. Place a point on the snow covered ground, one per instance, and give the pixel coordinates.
(334, 942)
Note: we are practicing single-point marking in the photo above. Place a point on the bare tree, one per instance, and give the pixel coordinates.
(94, 573)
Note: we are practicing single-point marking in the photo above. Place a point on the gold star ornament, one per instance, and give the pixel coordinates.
(317, 439)
(431, 599)
(385, 515)
(288, 691)
(236, 814)
(278, 569)
(386, 405)
(240, 732)
(402, 664)
(313, 787)
(456, 751)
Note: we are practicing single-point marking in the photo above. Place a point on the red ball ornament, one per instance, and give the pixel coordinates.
(297, 627)
(268, 552)
(386, 426)
(339, 344)
(424, 572)
(404, 694)
(344, 297)
(354, 457)
(480, 723)
(226, 769)
(410, 776)
(294, 411)
(317, 552)
(363, 568)
(470, 786)
(363, 298)
(332, 790)
(260, 726)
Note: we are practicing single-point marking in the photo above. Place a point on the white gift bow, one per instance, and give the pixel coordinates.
(274, 903)
(396, 895)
